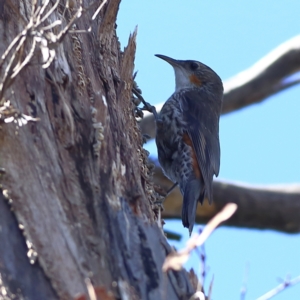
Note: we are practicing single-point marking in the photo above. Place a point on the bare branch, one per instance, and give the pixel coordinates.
(245, 282)
(98, 9)
(51, 10)
(10, 47)
(176, 260)
(17, 69)
(279, 288)
(6, 81)
(263, 207)
(10, 114)
(265, 78)
(36, 33)
(210, 289)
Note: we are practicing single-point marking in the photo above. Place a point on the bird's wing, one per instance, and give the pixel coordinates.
(201, 112)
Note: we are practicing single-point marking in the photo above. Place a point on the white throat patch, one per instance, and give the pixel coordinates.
(182, 79)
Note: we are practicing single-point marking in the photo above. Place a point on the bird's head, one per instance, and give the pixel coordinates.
(193, 74)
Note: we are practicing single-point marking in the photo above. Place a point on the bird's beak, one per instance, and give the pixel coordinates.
(182, 74)
(171, 61)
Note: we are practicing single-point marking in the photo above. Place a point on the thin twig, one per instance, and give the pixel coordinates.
(50, 26)
(10, 47)
(91, 290)
(5, 83)
(210, 288)
(35, 33)
(279, 288)
(51, 10)
(40, 11)
(33, 8)
(176, 260)
(98, 10)
(245, 281)
(18, 69)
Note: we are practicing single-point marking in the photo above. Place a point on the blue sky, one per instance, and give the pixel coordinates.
(260, 144)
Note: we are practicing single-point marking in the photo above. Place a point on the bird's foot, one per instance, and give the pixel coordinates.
(163, 194)
(139, 99)
(169, 191)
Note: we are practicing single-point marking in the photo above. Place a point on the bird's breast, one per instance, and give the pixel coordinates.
(169, 139)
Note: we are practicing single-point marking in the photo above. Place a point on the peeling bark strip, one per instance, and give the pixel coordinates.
(77, 180)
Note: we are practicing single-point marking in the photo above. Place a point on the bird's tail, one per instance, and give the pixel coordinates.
(192, 192)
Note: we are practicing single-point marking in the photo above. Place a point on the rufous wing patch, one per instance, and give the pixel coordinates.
(187, 140)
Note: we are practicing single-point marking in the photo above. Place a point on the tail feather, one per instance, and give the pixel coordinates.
(192, 192)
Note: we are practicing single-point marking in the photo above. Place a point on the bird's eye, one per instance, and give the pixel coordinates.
(194, 66)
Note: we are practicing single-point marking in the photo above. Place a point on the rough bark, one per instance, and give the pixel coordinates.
(264, 207)
(77, 180)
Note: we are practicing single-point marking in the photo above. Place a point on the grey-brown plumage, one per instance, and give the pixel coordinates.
(187, 133)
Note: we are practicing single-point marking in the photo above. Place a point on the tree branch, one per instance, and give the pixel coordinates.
(265, 207)
(287, 283)
(264, 78)
(268, 76)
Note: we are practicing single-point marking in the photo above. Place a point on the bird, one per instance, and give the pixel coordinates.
(187, 133)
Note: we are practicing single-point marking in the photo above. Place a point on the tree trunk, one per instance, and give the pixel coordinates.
(75, 182)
